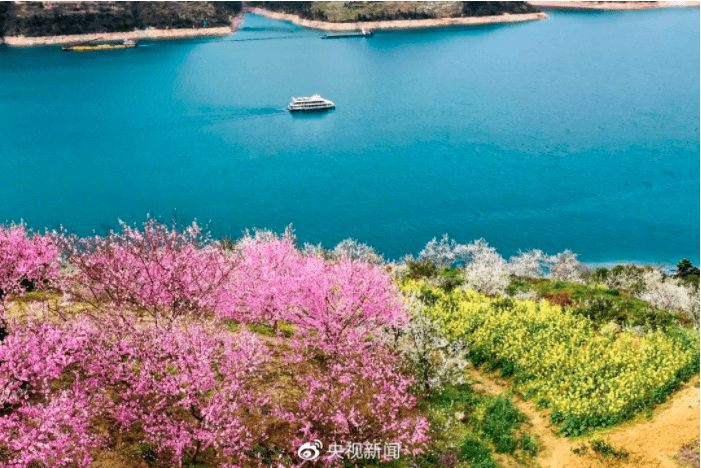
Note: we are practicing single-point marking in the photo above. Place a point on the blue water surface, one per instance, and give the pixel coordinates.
(578, 132)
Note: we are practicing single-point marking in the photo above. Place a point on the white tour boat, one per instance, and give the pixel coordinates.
(313, 103)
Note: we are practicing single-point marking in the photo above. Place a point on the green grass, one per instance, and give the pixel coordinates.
(500, 419)
(597, 302)
(267, 330)
(492, 425)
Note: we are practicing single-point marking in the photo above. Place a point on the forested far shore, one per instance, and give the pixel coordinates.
(35, 19)
(345, 12)
(40, 19)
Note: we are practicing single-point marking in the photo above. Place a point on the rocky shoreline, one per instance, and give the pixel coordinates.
(398, 24)
(154, 34)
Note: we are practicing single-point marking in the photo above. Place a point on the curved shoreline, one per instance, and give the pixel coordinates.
(398, 24)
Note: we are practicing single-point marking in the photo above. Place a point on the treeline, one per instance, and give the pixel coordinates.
(387, 11)
(497, 8)
(53, 19)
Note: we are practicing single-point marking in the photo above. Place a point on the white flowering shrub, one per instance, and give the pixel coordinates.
(314, 250)
(694, 308)
(669, 293)
(435, 360)
(566, 267)
(264, 236)
(354, 250)
(531, 263)
(445, 253)
(399, 271)
(527, 295)
(628, 277)
(485, 270)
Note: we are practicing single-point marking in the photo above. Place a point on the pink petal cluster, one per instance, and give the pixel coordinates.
(40, 424)
(25, 256)
(160, 272)
(156, 355)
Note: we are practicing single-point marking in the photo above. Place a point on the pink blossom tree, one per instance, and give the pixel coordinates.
(156, 271)
(26, 257)
(186, 386)
(350, 380)
(38, 422)
(191, 386)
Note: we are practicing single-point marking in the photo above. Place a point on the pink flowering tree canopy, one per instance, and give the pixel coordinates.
(26, 257)
(156, 271)
(154, 344)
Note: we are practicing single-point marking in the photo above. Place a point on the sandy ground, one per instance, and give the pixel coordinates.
(22, 41)
(613, 5)
(398, 24)
(651, 443)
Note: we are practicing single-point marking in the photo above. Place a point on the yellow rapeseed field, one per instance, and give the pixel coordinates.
(588, 378)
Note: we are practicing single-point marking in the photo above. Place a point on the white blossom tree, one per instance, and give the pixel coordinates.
(445, 253)
(485, 270)
(436, 360)
(629, 277)
(566, 267)
(669, 293)
(530, 263)
(355, 250)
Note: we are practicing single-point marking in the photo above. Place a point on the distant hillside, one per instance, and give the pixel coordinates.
(344, 12)
(56, 18)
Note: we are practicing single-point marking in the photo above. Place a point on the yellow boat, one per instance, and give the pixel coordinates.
(128, 44)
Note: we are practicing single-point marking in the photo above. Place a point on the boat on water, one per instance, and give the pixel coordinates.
(127, 44)
(312, 103)
(361, 33)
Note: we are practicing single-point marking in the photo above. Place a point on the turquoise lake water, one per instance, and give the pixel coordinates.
(579, 132)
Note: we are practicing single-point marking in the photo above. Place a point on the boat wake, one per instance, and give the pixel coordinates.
(230, 115)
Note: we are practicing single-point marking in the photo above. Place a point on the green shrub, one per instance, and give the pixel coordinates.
(448, 283)
(527, 444)
(600, 275)
(501, 417)
(605, 449)
(454, 395)
(477, 453)
(688, 274)
(581, 450)
(423, 269)
(601, 310)
(656, 319)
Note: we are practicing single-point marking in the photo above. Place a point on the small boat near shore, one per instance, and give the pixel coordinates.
(309, 104)
(361, 33)
(127, 44)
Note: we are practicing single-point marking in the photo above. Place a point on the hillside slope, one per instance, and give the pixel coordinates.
(344, 12)
(34, 19)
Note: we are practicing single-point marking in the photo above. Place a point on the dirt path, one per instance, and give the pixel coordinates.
(651, 443)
